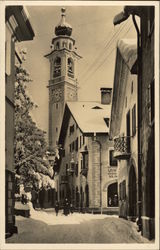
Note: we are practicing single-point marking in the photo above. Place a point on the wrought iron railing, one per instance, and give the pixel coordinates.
(122, 146)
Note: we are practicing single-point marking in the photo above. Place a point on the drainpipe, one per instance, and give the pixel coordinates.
(136, 10)
(100, 173)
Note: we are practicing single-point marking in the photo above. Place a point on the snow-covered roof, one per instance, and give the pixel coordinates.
(128, 50)
(90, 116)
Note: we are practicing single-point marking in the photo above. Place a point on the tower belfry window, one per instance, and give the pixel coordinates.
(70, 67)
(70, 46)
(57, 45)
(64, 44)
(57, 67)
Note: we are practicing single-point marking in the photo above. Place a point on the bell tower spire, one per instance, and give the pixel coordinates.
(62, 85)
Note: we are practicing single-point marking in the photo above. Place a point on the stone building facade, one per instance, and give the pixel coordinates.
(147, 128)
(18, 28)
(146, 111)
(123, 127)
(87, 171)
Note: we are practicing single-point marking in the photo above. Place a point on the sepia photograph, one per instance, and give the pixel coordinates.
(79, 125)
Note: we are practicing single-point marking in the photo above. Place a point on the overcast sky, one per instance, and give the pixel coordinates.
(96, 39)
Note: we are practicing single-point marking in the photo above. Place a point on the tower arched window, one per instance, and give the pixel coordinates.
(70, 46)
(57, 67)
(70, 67)
(64, 44)
(57, 45)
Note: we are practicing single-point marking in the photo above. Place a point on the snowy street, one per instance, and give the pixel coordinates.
(44, 226)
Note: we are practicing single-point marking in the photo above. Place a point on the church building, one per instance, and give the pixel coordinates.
(63, 78)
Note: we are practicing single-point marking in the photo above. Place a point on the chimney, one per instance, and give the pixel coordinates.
(106, 94)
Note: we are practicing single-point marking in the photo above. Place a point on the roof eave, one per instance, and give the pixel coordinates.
(24, 30)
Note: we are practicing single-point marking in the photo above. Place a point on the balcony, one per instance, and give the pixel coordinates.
(122, 147)
(64, 179)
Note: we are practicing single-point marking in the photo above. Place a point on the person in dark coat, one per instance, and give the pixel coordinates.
(66, 207)
(71, 208)
(57, 208)
(34, 198)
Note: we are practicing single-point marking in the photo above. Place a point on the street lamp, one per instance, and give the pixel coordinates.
(100, 171)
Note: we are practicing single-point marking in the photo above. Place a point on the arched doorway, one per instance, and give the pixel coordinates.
(81, 198)
(87, 195)
(77, 197)
(113, 195)
(132, 194)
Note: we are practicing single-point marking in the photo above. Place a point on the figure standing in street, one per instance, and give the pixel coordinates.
(71, 208)
(66, 207)
(57, 208)
(34, 198)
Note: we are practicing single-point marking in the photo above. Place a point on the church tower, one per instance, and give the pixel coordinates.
(63, 79)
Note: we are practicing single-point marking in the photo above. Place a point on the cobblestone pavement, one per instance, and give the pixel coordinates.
(46, 227)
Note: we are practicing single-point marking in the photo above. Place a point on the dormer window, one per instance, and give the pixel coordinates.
(57, 67)
(70, 67)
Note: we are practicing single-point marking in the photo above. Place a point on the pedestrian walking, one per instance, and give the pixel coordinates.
(34, 198)
(66, 207)
(57, 208)
(71, 208)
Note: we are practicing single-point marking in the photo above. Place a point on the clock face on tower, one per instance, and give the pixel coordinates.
(57, 95)
(71, 94)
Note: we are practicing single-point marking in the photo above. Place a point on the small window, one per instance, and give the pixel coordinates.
(57, 67)
(151, 103)
(57, 45)
(83, 140)
(80, 141)
(70, 46)
(132, 87)
(56, 129)
(81, 164)
(126, 102)
(64, 44)
(73, 146)
(76, 144)
(70, 67)
(56, 105)
(134, 120)
(71, 129)
(112, 160)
